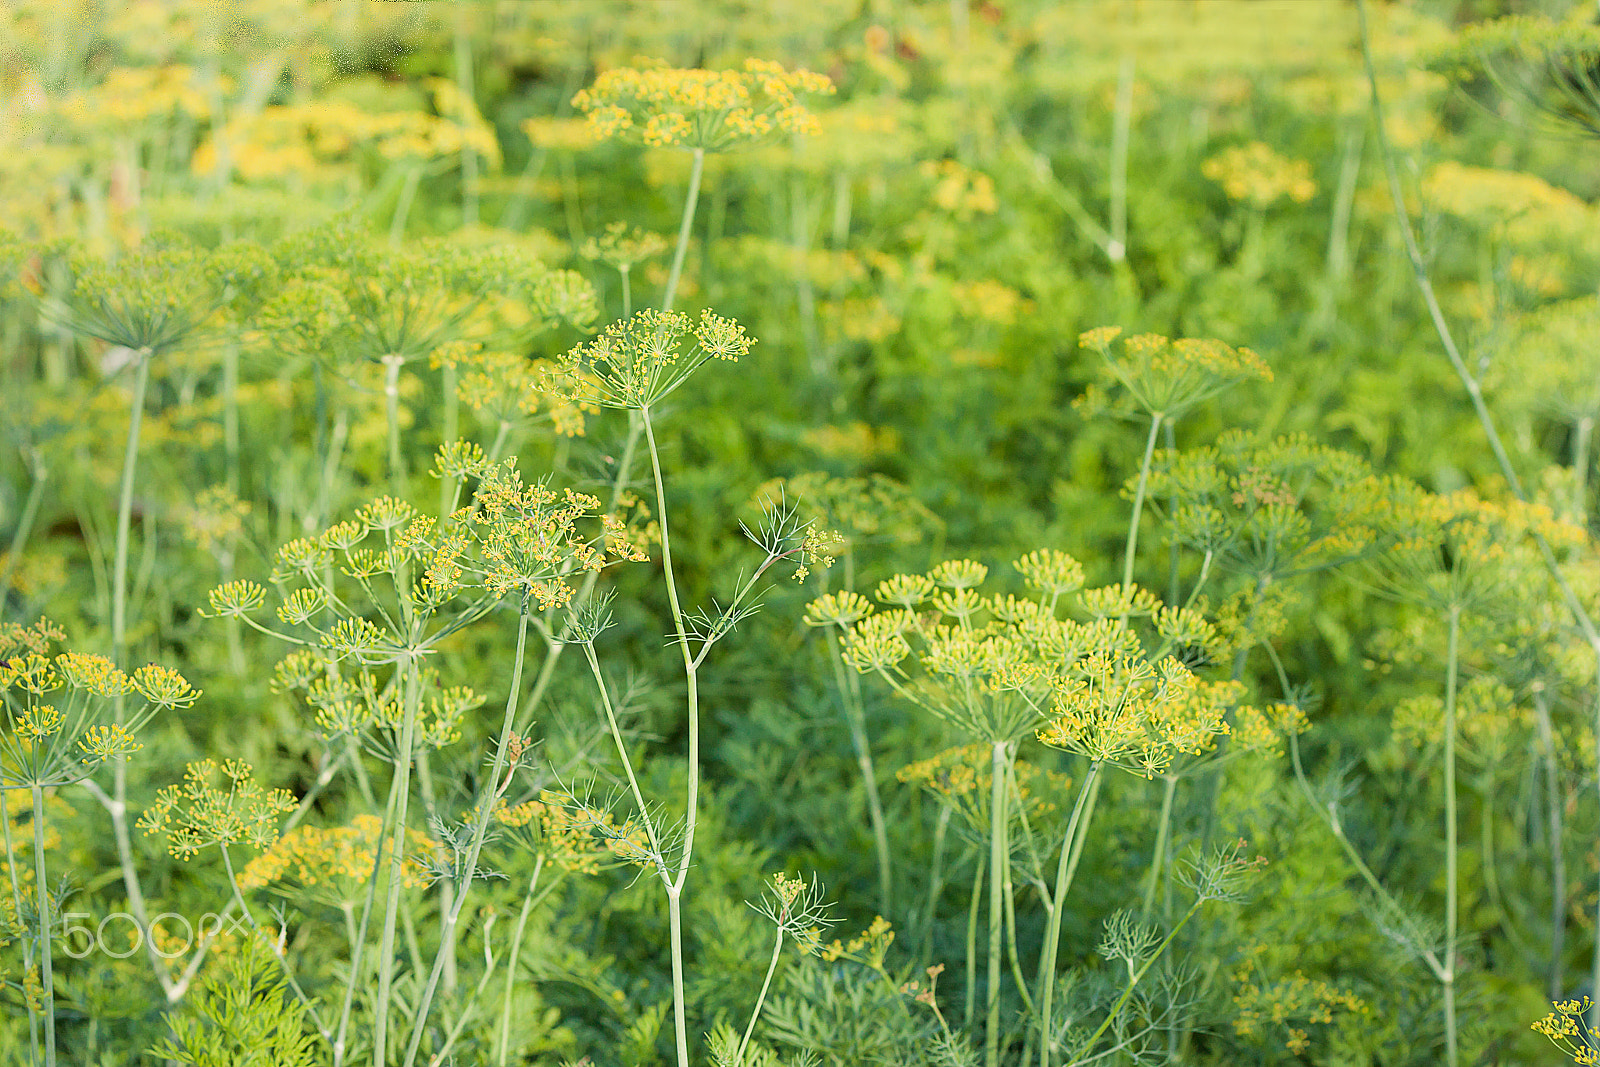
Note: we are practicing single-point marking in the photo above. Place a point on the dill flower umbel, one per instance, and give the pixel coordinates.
(712, 111)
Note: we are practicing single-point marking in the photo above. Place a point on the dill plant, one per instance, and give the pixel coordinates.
(411, 581)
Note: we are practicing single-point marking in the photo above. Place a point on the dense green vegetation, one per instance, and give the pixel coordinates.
(846, 533)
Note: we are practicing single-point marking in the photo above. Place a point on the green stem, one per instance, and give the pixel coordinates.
(511, 962)
(972, 941)
(1135, 978)
(397, 857)
(1158, 857)
(1451, 884)
(689, 203)
(41, 892)
(855, 718)
(936, 877)
(480, 830)
(391, 411)
(777, 947)
(1122, 121)
(16, 901)
(675, 890)
(998, 850)
(1557, 832)
(1138, 502)
(1066, 868)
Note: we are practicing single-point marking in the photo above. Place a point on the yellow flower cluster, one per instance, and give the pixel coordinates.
(199, 813)
(639, 360)
(1167, 377)
(131, 95)
(999, 666)
(331, 862)
(309, 140)
(667, 107)
(1117, 707)
(961, 191)
(1522, 208)
(1286, 1002)
(962, 777)
(1257, 175)
(1565, 1027)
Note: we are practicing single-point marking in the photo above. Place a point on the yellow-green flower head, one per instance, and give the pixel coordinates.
(1122, 709)
(217, 804)
(1166, 377)
(622, 246)
(639, 360)
(707, 110)
(842, 609)
(1257, 175)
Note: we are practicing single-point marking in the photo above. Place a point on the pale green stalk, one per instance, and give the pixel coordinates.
(998, 851)
(855, 718)
(1159, 856)
(693, 198)
(972, 941)
(1134, 979)
(1066, 868)
(397, 855)
(1556, 830)
(626, 272)
(480, 830)
(1138, 501)
(391, 412)
(370, 898)
(117, 807)
(935, 878)
(1121, 127)
(761, 998)
(627, 761)
(41, 892)
(675, 889)
(1452, 880)
(1012, 955)
(528, 904)
(16, 901)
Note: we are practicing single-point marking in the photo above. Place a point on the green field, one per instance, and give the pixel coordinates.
(740, 533)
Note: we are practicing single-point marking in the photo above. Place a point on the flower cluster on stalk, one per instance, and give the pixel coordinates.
(711, 110)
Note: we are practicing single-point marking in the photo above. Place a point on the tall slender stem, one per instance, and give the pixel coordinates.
(1066, 868)
(777, 948)
(675, 890)
(692, 199)
(1557, 831)
(1451, 884)
(998, 850)
(1159, 855)
(511, 963)
(1138, 501)
(855, 719)
(391, 411)
(397, 858)
(41, 892)
(480, 830)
